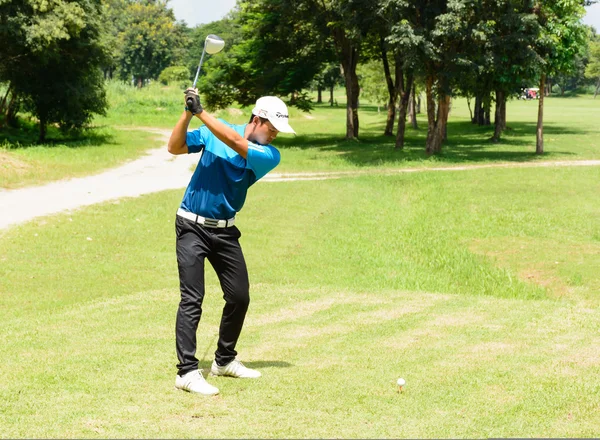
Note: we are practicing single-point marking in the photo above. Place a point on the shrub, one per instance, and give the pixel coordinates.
(179, 75)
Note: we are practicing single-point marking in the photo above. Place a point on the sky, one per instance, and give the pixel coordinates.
(195, 12)
(593, 16)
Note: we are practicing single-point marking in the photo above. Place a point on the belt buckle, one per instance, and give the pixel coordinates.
(211, 222)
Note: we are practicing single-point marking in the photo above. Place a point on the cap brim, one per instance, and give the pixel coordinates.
(282, 126)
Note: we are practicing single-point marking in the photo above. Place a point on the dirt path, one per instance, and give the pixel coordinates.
(160, 171)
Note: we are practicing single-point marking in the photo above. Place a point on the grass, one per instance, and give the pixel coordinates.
(479, 287)
(356, 282)
(24, 162)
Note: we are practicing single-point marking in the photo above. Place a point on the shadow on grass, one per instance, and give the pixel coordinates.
(252, 364)
(466, 143)
(27, 134)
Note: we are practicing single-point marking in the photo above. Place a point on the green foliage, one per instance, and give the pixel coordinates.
(592, 70)
(330, 76)
(147, 41)
(217, 79)
(562, 34)
(51, 55)
(268, 52)
(373, 83)
(178, 75)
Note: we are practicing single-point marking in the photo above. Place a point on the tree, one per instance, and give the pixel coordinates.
(148, 41)
(562, 36)
(374, 87)
(328, 78)
(342, 25)
(115, 22)
(52, 59)
(391, 27)
(592, 70)
(345, 21)
(434, 33)
(510, 31)
(267, 51)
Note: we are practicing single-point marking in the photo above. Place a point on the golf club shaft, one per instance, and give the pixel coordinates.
(199, 67)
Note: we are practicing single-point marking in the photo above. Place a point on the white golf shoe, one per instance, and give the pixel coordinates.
(194, 382)
(234, 369)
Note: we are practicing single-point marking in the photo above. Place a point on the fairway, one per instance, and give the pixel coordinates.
(478, 287)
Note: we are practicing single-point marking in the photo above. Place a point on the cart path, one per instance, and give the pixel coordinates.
(159, 171)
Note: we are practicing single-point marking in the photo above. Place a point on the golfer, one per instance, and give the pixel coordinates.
(233, 158)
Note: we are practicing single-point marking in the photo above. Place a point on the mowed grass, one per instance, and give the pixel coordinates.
(479, 287)
(572, 132)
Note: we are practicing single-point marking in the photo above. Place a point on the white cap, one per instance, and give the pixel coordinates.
(275, 110)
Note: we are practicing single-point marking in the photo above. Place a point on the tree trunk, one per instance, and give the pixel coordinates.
(331, 96)
(503, 111)
(597, 88)
(392, 86)
(349, 58)
(11, 112)
(412, 108)
(352, 93)
(319, 95)
(539, 143)
(3, 103)
(43, 126)
(445, 117)
(487, 108)
(440, 124)
(140, 82)
(429, 147)
(469, 106)
(404, 98)
(498, 125)
(477, 110)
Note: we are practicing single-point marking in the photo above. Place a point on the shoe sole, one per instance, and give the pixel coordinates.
(235, 377)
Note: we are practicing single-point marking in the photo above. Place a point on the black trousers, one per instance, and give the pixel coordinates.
(221, 247)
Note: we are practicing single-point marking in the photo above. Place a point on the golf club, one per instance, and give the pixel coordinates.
(213, 44)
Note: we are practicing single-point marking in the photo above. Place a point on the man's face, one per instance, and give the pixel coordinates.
(262, 132)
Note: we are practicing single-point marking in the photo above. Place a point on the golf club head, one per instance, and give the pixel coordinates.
(213, 44)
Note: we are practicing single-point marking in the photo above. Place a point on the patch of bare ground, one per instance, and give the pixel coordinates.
(8, 162)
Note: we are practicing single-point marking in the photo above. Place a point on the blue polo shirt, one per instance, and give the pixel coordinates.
(221, 180)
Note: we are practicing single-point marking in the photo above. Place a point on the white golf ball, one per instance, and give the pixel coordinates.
(401, 382)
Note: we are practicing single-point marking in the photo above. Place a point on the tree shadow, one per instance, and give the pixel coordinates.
(466, 143)
(27, 134)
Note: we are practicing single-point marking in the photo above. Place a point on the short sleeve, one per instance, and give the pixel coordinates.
(196, 140)
(261, 159)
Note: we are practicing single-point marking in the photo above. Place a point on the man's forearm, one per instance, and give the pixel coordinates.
(177, 140)
(225, 134)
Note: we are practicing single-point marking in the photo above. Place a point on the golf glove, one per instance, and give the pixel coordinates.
(192, 101)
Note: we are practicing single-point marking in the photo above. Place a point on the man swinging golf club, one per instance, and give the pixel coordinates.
(233, 158)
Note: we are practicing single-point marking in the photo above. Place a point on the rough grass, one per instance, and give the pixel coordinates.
(25, 163)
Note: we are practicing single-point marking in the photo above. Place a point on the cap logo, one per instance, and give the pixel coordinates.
(265, 114)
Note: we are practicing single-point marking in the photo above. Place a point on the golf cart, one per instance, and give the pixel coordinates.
(530, 93)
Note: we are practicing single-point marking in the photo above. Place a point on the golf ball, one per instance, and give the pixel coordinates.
(401, 382)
